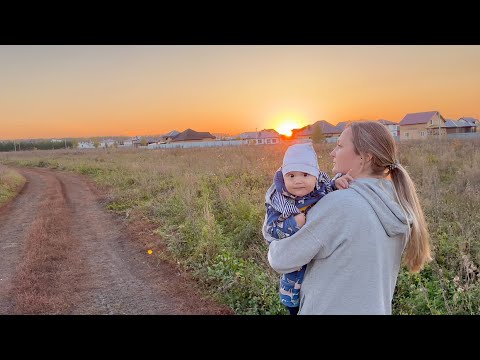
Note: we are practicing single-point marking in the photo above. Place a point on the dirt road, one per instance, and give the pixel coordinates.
(61, 252)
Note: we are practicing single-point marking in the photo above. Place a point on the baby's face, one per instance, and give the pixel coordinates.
(299, 183)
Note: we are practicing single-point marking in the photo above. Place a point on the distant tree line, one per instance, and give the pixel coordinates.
(29, 145)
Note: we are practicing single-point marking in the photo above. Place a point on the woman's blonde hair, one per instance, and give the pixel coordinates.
(373, 138)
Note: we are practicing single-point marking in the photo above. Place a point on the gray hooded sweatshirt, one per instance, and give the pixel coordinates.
(353, 242)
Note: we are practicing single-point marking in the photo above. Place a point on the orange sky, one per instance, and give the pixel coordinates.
(82, 91)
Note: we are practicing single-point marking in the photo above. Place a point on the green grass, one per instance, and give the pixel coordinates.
(10, 183)
(208, 207)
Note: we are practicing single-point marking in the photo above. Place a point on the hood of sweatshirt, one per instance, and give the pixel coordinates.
(380, 194)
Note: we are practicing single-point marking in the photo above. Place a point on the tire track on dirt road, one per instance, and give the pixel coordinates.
(100, 268)
(15, 222)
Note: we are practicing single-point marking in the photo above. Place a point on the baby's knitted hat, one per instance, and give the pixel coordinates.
(301, 157)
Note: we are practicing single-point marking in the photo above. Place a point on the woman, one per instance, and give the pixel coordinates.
(353, 239)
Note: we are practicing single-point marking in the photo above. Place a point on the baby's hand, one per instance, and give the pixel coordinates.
(300, 219)
(343, 181)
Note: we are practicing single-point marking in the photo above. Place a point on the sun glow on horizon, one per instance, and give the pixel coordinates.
(286, 126)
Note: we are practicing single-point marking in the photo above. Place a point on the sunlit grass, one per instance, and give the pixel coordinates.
(10, 183)
(208, 207)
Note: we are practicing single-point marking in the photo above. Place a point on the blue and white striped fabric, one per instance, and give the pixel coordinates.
(285, 206)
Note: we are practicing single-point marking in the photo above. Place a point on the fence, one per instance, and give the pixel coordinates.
(180, 145)
(474, 135)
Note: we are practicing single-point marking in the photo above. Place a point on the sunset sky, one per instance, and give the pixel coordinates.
(82, 91)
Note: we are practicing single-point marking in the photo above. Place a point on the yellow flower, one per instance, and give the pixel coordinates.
(149, 252)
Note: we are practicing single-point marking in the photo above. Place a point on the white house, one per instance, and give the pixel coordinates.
(107, 143)
(263, 137)
(85, 145)
(132, 142)
(392, 126)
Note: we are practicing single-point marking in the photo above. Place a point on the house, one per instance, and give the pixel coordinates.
(148, 140)
(107, 143)
(474, 122)
(168, 137)
(192, 135)
(330, 131)
(263, 137)
(341, 125)
(392, 126)
(423, 125)
(132, 142)
(85, 145)
(461, 128)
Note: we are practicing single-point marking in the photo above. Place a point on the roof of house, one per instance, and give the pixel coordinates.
(386, 122)
(263, 134)
(418, 118)
(171, 133)
(450, 123)
(470, 120)
(326, 127)
(133, 139)
(341, 125)
(190, 134)
(150, 140)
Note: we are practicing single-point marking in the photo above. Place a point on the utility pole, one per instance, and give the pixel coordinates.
(14, 146)
(65, 143)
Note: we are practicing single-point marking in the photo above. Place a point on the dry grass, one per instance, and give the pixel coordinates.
(207, 205)
(44, 282)
(11, 183)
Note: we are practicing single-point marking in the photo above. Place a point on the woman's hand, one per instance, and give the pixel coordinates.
(343, 181)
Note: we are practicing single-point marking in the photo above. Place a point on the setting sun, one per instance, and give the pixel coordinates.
(285, 128)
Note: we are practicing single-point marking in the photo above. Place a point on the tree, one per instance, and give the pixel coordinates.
(317, 135)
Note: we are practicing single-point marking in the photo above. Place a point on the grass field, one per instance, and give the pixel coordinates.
(207, 205)
(10, 183)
